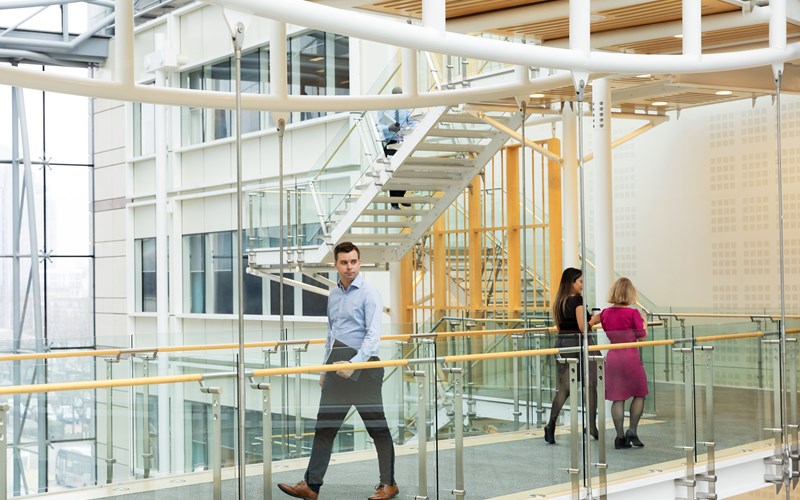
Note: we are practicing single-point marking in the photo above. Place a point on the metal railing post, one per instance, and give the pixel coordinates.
(710, 476)
(688, 480)
(775, 463)
(458, 424)
(422, 432)
(602, 465)
(266, 436)
(794, 454)
(470, 385)
(401, 411)
(574, 397)
(147, 453)
(110, 460)
(539, 374)
(215, 443)
(3, 451)
(298, 391)
(515, 382)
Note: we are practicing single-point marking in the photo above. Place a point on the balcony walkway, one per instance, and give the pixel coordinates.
(504, 465)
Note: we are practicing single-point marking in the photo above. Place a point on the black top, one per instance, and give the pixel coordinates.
(568, 330)
(570, 322)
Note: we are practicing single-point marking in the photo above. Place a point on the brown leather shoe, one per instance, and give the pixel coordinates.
(300, 490)
(384, 492)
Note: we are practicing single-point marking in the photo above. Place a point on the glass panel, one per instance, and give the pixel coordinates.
(144, 139)
(307, 67)
(195, 281)
(71, 414)
(251, 84)
(220, 280)
(70, 304)
(275, 296)
(69, 210)
(736, 382)
(218, 78)
(341, 66)
(67, 123)
(72, 465)
(192, 118)
(253, 290)
(314, 304)
(149, 292)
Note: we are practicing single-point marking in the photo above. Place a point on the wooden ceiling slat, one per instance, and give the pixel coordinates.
(626, 17)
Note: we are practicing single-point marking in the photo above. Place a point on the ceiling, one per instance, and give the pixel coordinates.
(626, 26)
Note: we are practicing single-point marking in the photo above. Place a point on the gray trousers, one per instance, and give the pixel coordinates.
(338, 396)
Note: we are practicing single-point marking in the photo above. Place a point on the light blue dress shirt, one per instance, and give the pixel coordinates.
(354, 318)
(391, 116)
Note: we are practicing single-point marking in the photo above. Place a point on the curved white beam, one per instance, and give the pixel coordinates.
(65, 84)
(369, 27)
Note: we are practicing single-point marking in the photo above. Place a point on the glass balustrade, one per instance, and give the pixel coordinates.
(475, 395)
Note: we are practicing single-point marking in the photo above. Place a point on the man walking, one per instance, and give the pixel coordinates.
(354, 319)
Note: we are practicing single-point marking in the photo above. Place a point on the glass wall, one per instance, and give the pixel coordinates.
(57, 238)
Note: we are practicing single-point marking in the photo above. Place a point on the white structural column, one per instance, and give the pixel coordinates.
(162, 287)
(277, 59)
(692, 31)
(603, 208)
(569, 188)
(434, 15)
(123, 38)
(777, 31)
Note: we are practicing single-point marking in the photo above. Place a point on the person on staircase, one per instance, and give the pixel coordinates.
(354, 320)
(570, 315)
(393, 125)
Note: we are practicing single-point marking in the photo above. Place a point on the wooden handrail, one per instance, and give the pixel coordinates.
(267, 372)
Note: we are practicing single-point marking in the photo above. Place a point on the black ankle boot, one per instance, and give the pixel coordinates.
(550, 433)
(621, 443)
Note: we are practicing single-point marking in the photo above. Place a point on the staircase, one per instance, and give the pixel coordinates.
(437, 160)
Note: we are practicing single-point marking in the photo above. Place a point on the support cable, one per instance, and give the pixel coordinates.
(787, 459)
(241, 386)
(584, 334)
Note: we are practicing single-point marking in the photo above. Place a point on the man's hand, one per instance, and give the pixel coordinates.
(321, 378)
(344, 373)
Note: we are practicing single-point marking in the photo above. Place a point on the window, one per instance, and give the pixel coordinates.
(194, 245)
(192, 118)
(218, 77)
(208, 273)
(145, 269)
(221, 277)
(144, 119)
(319, 64)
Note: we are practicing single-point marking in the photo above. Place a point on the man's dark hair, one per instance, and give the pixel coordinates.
(345, 247)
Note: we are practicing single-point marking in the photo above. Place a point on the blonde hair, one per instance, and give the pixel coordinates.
(622, 292)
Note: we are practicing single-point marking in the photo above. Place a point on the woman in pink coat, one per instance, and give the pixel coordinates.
(625, 377)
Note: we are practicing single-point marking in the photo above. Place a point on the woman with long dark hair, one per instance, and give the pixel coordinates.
(570, 314)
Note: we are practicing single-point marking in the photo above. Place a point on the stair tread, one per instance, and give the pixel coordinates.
(432, 160)
(444, 132)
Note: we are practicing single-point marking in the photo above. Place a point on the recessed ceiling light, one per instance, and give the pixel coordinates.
(537, 96)
(317, 59)
(646, 75)
(723, 92)
(678, 36)
(659, 103)
(597, 17)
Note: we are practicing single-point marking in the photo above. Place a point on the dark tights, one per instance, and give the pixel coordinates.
(618, 415)
(563, 394)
